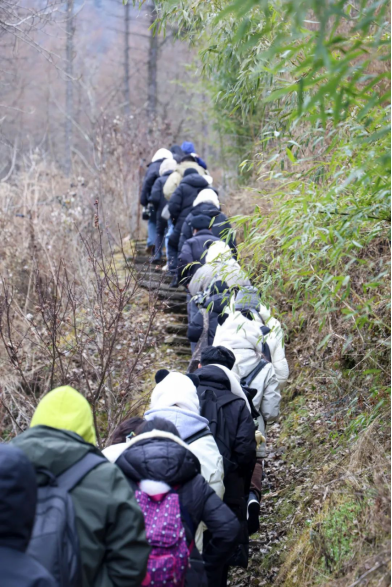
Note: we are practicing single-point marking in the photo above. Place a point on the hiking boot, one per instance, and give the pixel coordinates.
(253, 514)
(150, 249)
(157, 261)
(174, 282)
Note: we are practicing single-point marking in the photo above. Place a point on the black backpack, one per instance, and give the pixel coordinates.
(54, 541)
(211, 409)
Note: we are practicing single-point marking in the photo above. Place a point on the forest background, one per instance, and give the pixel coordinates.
(289, 102)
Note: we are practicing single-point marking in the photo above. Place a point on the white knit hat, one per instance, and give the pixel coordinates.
(167, 165)
(162, 154)
(175, 389)
(207, 195)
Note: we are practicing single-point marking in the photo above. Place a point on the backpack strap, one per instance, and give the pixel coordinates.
(74, 474)
(247, 380)
(197, 435)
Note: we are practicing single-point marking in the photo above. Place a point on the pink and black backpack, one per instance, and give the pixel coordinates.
(169, 558)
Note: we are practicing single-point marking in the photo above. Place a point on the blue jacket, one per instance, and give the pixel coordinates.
(194, 251)
(18, 499)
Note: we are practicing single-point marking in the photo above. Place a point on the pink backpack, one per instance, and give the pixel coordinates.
(169, 558)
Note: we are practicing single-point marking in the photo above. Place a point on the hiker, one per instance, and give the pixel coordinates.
(189, 149)
(207, 204)
(18, 500)
(166, 476)
(151, 175)
(157, 199)
(120, 438)
(224, 404)
(193, 253)
(213, 301)
(179, 205)
(175, 399)
(109, 523)
(259, 354)
(219, 266)
(187, 162)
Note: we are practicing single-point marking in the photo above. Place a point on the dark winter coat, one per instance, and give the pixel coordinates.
(152, 174)
(219, 227)
(159, 201)
(241, 429)
(215, 305)
(181, 202)
(18, 500)
(109, 522)
(161, 456)
(194, 251)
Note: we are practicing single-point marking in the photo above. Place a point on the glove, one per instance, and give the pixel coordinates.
(259, 438)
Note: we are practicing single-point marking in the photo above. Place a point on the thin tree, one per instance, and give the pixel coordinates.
(127, 97)
(70, 29)
(152, 90)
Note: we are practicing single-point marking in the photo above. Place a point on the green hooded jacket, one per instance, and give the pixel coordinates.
(110, 524)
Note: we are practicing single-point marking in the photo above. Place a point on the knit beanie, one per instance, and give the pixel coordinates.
(217, 355)
(175, 389)
(66, 409)
(189, 171)
(167, 165)
(200, 221)
(207, 195)
(188, 147)
(247, 299)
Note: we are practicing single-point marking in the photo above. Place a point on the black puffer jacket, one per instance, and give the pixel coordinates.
(215, 305)
(18, 499)
(152, 174)
(194, 251)
(161, 456)
(159, 201)
(219, 228)
(181, 202)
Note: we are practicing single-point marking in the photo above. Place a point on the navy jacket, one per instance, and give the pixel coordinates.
(219, 228)
(181, 202)
(194, 251)
(215, 304)
(157, 198)
(163, 459)
(152, 174)
(18, 499)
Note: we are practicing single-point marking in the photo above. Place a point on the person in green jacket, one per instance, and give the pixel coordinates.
(110, 525)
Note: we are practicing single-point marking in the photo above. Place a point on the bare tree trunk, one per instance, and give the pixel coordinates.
(152, 90)
(69, 87)
(127, 97)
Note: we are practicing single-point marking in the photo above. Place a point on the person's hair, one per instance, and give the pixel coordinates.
(157, 424)
(124, 429)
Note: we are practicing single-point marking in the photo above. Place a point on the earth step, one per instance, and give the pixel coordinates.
(148, 283)
(174, 339)
(170, 298)
(177, 328)
(175, 307)
(182, 351)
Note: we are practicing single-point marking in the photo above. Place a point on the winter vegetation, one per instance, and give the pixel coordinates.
(289, 101)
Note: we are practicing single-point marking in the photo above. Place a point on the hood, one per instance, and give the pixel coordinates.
(205, 209)
(217, 303)
(195, 180)
(207, 195)
(66, 409)
(53, 449)
(162, 154)
(219, 249)
(113, 451)
(159, 456)
(215, 376)
(238, 332)
(175, 389)
(18, 498)
(235, 385)
(187, 423)
(247, 299)
(167, 166)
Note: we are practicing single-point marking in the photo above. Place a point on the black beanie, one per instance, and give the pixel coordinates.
(189, 171)
(160, 375)
(218, 355)
(200, 221)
